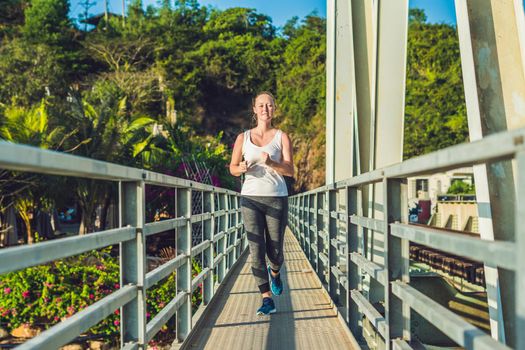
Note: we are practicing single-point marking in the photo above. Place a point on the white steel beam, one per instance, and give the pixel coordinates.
(340, 94)
(493, 72)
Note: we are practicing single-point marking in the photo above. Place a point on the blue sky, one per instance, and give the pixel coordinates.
(282, 10)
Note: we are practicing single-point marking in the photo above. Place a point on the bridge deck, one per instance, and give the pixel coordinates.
(305, 318)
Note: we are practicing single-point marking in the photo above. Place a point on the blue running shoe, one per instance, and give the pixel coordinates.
(268, 307)
(276, 285)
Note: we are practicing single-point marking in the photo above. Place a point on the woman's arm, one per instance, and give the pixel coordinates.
(237, 166)
(285, 167)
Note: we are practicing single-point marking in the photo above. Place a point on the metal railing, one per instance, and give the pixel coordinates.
(223, 242)
(330, 226)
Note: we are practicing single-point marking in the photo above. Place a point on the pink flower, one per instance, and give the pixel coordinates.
(116, 323)
(7, 290)
(162, 304)
(91, 296)
(117, 286)
(117, 312)
(56, 318)
(25, 294)
(148, 314)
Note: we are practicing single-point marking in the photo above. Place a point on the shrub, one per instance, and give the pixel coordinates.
(46, 294)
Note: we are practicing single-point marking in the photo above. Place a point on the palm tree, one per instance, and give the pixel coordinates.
(106, 131)
(27, 192)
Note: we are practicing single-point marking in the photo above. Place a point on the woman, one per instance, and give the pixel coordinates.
(267, 156)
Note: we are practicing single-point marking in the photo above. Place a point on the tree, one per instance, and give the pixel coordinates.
(301, 96)
(47, 22)
(435, 113)
(86, 5)
(236, 60)
(29, 192)
(31, 72)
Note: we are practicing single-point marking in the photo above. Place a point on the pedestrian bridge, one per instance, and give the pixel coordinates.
(327, 266)
(348, 282)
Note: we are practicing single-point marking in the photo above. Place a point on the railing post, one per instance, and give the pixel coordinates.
(353, 276)
(236, 223)
(333, 280)
(184, 241)
(231, 235)
(221, 244)
(520, 247)
(243, 229)
(208, 228)
(300, 235)
(397, 260)
(307, 232)
(318, 240)
(133, 261)
(313, 235)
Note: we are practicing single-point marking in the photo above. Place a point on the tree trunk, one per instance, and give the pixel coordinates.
(86, 219)
(27, 223)
(104, 213)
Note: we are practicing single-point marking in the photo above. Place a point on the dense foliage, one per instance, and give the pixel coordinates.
(435, 114)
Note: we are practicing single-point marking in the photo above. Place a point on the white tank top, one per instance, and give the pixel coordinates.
(261, 179)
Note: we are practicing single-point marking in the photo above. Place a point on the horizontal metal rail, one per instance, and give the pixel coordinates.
(502, 254)
(445, 320)
(27, 158)
(369, 223)
(377, 320)
(199, 278)
(164, 315)
(334, 242)
(164, 270)
(371, 268)
(220, 213)
(165, 225)
(491, 148)
(69, 329)
(17, 258)
(199, 248)
(399, 344)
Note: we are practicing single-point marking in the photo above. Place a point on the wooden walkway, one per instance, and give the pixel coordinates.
(305, 318)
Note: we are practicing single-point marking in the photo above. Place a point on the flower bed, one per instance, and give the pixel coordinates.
(44, 295)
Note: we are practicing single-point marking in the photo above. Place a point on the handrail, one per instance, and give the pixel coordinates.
(224, 240)
(315, 219)
(31, 159)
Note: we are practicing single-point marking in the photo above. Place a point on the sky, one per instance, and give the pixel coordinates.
(280, 11)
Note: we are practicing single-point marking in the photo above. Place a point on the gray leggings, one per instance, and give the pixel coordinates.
(265, 219)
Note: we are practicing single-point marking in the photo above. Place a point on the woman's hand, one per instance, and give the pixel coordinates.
(285, 167)
(243, 166)
(265, 159)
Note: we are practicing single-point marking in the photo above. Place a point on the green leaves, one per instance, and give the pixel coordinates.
(46, 21)
(30, 126)
(435, 113)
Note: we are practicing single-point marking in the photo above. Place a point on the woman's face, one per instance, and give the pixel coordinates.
(264, 107)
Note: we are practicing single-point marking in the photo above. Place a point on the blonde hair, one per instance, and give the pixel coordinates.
(264, 93)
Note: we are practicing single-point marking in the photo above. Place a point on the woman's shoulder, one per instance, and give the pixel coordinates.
(240, 136)
(283, 134)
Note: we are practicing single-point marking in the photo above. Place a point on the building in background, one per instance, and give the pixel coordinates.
(430, 200)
